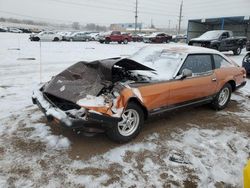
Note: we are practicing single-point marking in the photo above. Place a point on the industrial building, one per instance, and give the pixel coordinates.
(238, 24)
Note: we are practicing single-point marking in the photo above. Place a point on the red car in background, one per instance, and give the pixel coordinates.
(115, 36)
(157, 38)
(137, 38)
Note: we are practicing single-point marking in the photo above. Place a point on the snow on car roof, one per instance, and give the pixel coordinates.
(182, 48)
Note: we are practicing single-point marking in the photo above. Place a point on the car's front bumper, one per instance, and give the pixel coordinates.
(91, 122)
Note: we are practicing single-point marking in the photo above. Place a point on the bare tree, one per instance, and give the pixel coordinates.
(76, 25)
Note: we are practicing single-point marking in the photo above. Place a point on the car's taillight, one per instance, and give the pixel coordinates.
(244, 73)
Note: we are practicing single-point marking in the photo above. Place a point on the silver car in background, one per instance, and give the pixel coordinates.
(78, 36)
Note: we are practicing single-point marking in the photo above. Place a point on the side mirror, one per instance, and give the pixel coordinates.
(186, 73)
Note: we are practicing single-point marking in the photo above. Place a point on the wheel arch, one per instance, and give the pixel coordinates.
(136, 101)
(233, 85)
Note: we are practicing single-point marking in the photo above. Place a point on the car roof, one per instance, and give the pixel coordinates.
(184, 49)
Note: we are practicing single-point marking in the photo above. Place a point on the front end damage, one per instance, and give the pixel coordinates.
(74, 117)
(89, 96)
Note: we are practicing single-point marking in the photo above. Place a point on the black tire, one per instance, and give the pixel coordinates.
(220, 105)
(56, 39)
(119, 42)
(101, 42)
(125, 41)
(237, 51)
(115, 133)
(36, 39)
(107, 40)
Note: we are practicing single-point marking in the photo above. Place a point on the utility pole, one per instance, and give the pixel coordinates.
(136, 15)
(180, 17)
(169, 25)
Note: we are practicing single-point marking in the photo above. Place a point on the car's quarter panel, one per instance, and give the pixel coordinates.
(227, 71)
(227, 74)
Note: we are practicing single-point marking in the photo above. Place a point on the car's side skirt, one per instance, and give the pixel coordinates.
(195, 102)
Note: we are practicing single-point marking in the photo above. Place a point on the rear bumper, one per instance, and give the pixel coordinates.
(246, 65)
(91, 122)
(241, 85)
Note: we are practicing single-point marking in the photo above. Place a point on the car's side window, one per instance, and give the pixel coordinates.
(224, 35)
(199, 64)
(220, 62)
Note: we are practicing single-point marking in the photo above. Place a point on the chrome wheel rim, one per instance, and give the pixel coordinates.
(223, 97)
(129, 123)
(238, 50)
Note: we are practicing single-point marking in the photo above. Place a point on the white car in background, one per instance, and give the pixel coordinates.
(14, 30)
(94, 36)
(46, 36)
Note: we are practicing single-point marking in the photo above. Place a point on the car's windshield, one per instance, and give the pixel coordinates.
(211, 35)
(164, 62)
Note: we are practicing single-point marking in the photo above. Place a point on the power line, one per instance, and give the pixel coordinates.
(109, 8)
(40, 18)
(89, 5)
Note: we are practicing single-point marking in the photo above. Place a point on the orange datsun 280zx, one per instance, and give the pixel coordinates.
(117, 95)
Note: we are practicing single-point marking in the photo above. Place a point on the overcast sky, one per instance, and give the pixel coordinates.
(105, 12)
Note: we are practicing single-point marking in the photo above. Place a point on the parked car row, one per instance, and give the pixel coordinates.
(105, 37)
(221, 40)
(17, 30)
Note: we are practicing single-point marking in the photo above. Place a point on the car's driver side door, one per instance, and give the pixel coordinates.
(201, 85)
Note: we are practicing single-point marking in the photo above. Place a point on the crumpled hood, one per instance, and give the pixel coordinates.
(87, 78)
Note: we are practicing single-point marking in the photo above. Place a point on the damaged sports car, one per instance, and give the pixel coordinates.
(117, 95)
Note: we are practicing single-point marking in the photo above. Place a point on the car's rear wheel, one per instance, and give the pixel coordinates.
(125, 41)
(129, 126)
(222, 98)
(237, 51)
(56, 39)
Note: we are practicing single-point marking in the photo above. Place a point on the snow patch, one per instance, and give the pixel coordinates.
(137, 93)
(62, 88)
(92, 101)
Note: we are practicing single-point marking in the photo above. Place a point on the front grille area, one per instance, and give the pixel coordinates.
(61, 103)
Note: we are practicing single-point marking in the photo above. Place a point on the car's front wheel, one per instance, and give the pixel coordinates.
(222, 98)
(129, 126)
(107, 40)
(237, 51)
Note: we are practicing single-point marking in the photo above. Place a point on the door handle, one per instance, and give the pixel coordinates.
(214, 79)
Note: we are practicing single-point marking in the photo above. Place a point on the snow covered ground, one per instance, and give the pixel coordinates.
(192, 148)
